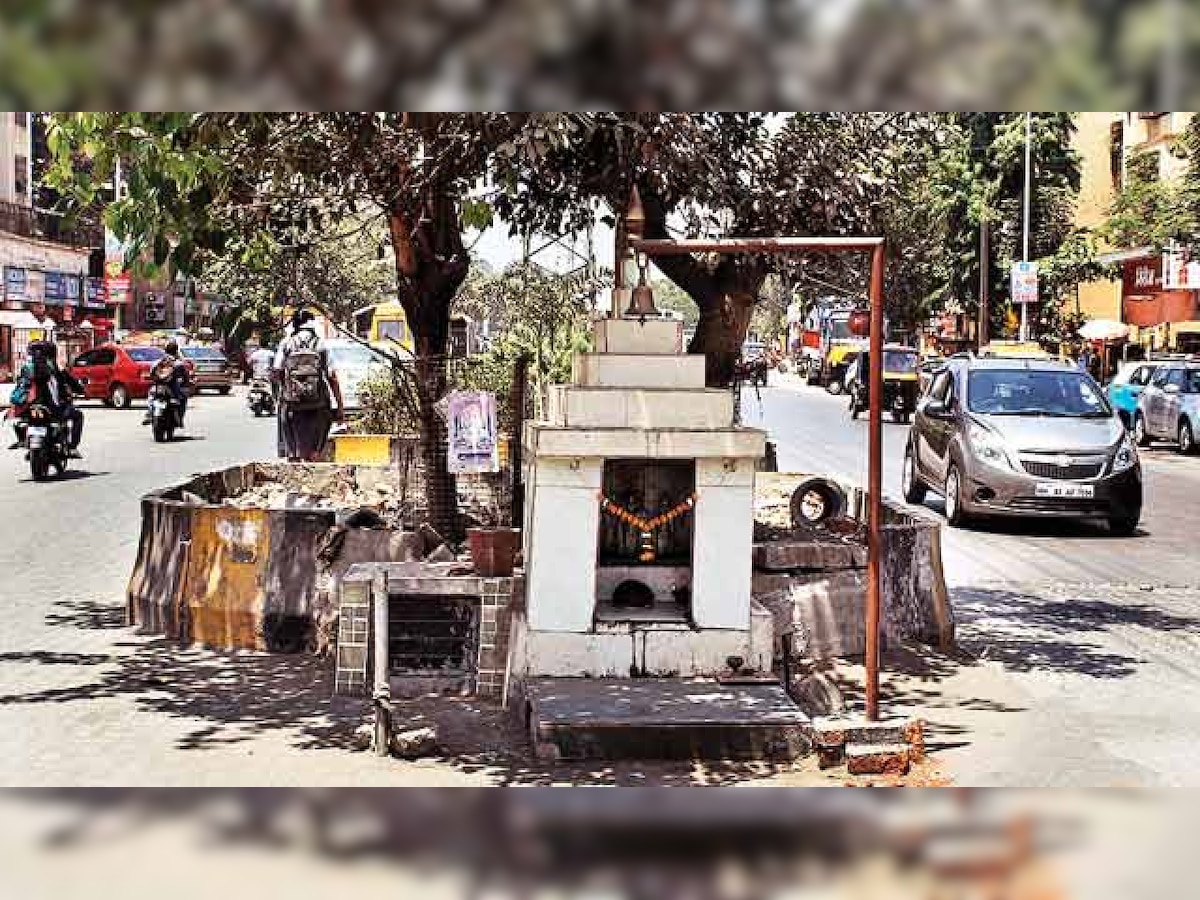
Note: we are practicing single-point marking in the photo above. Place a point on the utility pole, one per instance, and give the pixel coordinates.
(1025, 216)
(984, 288)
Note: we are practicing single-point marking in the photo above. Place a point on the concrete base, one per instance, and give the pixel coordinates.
(575, 718)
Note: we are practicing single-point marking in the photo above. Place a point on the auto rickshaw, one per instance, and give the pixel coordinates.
(900, 383)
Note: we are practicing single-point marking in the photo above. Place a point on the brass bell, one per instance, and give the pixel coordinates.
(641, 301)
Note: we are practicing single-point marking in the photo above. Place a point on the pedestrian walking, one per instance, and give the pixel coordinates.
(307, 389)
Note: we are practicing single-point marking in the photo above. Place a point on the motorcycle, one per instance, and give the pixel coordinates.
(166, 413)
(47, 439)
(260, 399)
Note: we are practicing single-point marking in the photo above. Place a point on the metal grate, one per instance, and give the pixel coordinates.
(432, 635)
(1058, 504)
(1071, 472)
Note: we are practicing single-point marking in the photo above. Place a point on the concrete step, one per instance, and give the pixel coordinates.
(572, 406)
(656, 718)
(646, 370)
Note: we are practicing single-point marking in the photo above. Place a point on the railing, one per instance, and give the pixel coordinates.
(26, 221)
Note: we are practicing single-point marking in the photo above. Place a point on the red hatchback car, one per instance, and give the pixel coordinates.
(115, 373)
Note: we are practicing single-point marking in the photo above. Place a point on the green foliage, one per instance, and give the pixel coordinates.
(1151, 212)
(387, 404)
(668, 296)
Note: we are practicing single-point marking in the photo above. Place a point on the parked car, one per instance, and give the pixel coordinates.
(1022, 437)
(352, 362)
(116, 373)
(1169, 407)
(211, 369)
(1127, 386)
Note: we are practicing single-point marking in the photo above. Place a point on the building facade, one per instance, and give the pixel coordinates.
(1153, 295)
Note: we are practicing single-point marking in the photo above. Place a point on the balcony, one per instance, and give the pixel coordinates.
(25, 221)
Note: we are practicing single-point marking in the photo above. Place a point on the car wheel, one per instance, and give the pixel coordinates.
(853, 409)
(835, 386)
(225, 391)
(1140, 436)
(1187, 440)
(955, 517)
(118, 396)
(1124, 526)
(910, 482)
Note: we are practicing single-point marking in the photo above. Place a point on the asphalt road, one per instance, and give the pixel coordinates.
(814, 433)
(1081, 651)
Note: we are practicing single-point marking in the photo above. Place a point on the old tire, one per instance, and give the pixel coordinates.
(1187, 440)
(118, 396)
(910, 482)
(1140, 435)
(955, 517)
(816, 501)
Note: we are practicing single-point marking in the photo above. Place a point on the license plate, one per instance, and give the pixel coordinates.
(1070, 491)
(37, 432)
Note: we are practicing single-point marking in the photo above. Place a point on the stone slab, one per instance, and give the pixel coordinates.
(646, 370)
(544, 440)
(824, 555)
(634, 336)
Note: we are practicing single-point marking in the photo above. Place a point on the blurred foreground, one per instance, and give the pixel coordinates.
(722, 843)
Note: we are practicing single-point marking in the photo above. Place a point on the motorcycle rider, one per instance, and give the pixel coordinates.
(171, 371)
(42, 381)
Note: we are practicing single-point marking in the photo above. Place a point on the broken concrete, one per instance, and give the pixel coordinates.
(414, 743)
(877, 759)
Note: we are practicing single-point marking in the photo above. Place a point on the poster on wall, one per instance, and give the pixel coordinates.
(1024, 283)
(473, 440)
(116, 279)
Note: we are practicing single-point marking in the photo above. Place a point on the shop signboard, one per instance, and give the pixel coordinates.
(473, 442)
(1181, 272)
(35, 286)
(94, 296)
(55, 288)
(74, 289)
(16, 283)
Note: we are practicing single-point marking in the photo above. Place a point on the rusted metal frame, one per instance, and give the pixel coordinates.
(381, 694)
(876, 245)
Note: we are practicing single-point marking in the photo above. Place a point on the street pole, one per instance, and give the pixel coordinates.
(875, 484)
(1025, 216)
(984, 288)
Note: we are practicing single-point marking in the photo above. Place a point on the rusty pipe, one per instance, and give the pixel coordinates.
(875, 484)
(669, 247)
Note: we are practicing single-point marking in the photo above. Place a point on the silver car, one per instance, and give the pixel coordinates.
(352, 362)
(1168, 408)
(1022, 437)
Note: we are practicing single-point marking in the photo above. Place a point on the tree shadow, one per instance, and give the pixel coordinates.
(86, 614)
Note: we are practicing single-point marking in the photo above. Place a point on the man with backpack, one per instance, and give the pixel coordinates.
(307, 387)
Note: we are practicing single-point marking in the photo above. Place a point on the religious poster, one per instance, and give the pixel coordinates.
(473, 439)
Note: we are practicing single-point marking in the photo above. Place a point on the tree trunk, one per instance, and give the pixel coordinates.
(719, 335)
(431, 265)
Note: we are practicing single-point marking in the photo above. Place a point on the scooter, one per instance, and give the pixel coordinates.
(260, 399)
(166, 415)
(46, 438)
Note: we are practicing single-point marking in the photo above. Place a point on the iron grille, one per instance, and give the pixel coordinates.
(1072, 472)
(432, 635)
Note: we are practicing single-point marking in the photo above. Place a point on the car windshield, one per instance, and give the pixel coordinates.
(1032, 392)
(899, 361)
(144, 354)
(202, 353)
(352, 356)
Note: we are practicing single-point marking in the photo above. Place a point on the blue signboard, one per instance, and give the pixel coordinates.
(95, 296)
(56, 288)
(73, 290)
(16, 283)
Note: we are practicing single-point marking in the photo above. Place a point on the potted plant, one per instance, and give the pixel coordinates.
(494, 550)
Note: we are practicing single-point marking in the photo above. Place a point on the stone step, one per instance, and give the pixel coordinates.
(877, 759)
(633, 370)
(572, 406)
(661, 338)
(652, 718)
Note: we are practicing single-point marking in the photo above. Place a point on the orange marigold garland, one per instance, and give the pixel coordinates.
(647, 527)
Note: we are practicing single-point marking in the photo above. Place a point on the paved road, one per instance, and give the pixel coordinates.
(813, 432)
(1083, 650)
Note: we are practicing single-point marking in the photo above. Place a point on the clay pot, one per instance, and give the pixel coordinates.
(494, 550)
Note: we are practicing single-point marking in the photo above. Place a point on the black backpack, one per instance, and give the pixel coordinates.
(303, 383)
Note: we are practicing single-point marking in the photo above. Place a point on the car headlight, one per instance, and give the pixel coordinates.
(988, 447)
(1126, 456)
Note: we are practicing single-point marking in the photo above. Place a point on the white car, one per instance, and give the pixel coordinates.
(352, 362)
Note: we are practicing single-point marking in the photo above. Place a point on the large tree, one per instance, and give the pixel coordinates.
(206, 186)
(718, 175)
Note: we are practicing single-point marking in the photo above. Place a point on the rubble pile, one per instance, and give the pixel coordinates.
(310, 487)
